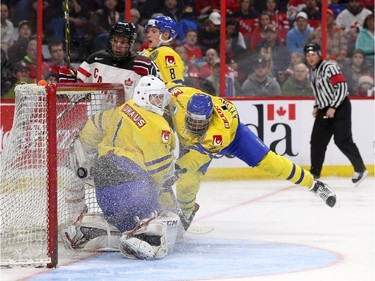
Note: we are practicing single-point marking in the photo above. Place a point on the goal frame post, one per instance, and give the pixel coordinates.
(53, 94)
(52, 90)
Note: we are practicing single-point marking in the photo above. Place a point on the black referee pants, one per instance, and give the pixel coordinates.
(340, 127)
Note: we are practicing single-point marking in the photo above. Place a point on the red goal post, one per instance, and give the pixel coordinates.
(40, 193)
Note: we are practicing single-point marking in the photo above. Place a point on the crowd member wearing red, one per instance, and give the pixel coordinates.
(193, 51)
(205, 7)
(57, 60)
(206, 69)
(31, 60)
(259, 31)
(232, 5)
(293, 7)
(314, 13)
(278, 18)
(365, 86)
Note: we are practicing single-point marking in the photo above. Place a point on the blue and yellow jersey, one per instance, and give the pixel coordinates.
(198, 151)
(133, 132)
(170, 64)
(223, 126)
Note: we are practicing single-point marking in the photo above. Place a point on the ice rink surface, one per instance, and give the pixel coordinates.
(266, 230)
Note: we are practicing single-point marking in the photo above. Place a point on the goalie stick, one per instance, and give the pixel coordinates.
(200, 229)
(169, 180)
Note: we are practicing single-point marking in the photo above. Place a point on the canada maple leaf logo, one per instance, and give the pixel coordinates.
(128, 82)
(288, 111)
(281, 111)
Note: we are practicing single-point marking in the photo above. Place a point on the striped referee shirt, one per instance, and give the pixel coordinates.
(329, 85)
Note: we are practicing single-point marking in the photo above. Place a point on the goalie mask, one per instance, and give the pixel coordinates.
(163, 23)
(121, 38)
(198, 114)
(151, 94)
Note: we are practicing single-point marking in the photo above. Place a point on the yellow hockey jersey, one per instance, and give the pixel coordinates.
(134, 132)
(170, 64)
(199, 150)
(222, 129)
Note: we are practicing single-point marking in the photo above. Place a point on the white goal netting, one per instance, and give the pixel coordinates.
(25, 208)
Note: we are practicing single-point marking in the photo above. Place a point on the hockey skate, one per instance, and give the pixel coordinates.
(324, 192)
(359, 177)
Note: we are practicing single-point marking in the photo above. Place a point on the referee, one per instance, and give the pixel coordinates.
(332, 113)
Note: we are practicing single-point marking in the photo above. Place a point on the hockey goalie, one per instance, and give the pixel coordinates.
(126, 153)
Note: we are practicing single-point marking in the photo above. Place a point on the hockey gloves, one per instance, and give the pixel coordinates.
(67, 75)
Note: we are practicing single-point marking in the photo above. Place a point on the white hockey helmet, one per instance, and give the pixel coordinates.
(151, 94)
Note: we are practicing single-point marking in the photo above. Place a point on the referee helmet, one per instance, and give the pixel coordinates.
(312, 48)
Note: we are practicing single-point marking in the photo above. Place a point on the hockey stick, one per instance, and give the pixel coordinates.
(170, 179)
(58, 117)
(72, 105)
(67, 31)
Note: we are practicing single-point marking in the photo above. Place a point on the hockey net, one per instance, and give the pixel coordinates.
(40, 193)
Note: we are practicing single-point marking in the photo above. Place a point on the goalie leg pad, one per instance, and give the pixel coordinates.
(147, 242)
(135, 247)
(92, 233)
(174, 230)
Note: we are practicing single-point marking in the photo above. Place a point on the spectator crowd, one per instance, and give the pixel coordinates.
(263, 45)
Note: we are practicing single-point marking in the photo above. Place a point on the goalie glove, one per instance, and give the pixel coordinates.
(67, 75)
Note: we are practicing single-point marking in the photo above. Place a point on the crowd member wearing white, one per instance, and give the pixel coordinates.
(353, 15)
(135, 145)
(332, 113)
(7, 28)
(116, 64)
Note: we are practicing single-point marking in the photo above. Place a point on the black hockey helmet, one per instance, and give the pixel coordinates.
(312, 48)
(122, 29)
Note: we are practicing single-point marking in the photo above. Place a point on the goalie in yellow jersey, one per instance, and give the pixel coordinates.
(135, 147)
(208, 125)
(160, 31)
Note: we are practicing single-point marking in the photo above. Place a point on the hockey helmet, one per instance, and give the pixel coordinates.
(122, 29)
(198, 114)
(312, 48)
(163, 23)
(151, 94)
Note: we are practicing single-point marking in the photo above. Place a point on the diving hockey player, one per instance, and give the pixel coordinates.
(208, 125)
(135, 153)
